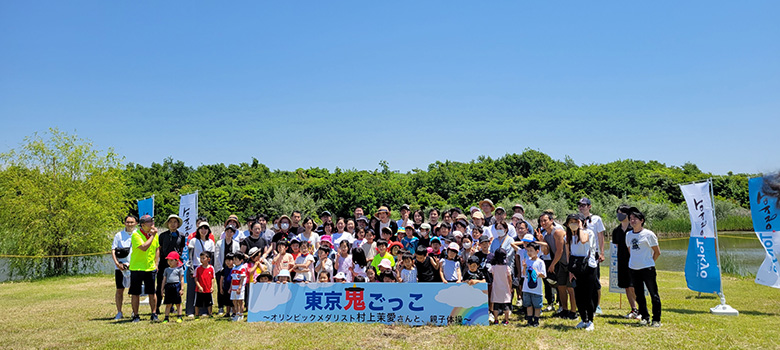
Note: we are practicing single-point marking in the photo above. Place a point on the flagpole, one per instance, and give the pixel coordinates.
(723, 308)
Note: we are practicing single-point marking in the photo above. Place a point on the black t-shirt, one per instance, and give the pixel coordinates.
(425, 270)
(279, 235)
(468, 275)
(425, 242)
(250, 243)
(169, 243)
(484, 264)
(619, 238)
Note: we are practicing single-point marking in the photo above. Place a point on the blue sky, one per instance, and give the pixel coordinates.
(349, 83)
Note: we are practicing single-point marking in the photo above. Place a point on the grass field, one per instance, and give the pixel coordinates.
(76, 312)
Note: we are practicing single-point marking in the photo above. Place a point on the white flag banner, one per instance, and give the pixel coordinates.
(765, 210)
(697, 196)
(188, 212)
(701, 264)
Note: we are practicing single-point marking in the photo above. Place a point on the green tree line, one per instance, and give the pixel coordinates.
(72, 198)
(532, 178)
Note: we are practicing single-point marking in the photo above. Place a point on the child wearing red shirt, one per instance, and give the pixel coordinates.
(204, 284)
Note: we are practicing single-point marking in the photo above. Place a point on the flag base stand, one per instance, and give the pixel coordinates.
(724, 309)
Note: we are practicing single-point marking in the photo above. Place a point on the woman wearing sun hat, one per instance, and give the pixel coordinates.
(383, 216)
(170, 241)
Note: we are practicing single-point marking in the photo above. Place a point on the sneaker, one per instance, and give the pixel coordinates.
(118, 315)
(560, 309)
(633, 314)
(221, 311)
(644, 322)
(581, 325)
(505, 323)
(179, 320)
(154, 318)
(573, 315)
(590, 327)
(190, 315)
(165, 320)
(598, 311)
(239, 318)
(656, 324)
(136, 318)
(235, 318)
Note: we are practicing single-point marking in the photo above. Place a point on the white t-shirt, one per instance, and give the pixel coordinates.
(538, 266)
(327, 265)
(582, 249)
(596, 225)
(122, 240)
(314, 238)
(306, 272)
(338, 237)
(197, 246)
(359, 271)
(344, 265)
(640, 246)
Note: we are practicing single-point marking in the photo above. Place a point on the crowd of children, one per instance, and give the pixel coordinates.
(483, 248)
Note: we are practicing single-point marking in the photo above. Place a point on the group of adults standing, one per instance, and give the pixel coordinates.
(574, 249)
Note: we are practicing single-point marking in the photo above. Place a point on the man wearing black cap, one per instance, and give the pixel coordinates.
(596, 225)
(324, 217)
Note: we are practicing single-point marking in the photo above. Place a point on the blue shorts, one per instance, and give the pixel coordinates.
(532, 300)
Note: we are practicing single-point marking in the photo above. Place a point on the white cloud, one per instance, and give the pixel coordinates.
(274, 294)
(462, 295)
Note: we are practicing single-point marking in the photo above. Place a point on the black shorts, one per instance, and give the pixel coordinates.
(562, 272)
(145, 278)
(172, 295)
(119, 279)
(203, 300)
(502, 306)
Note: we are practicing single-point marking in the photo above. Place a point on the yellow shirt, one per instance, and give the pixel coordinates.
(143, 260)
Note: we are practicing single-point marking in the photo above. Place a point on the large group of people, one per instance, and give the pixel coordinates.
(535, 263)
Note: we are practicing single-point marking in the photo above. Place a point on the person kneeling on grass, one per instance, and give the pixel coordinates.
(172, 278)
(204, 283)
(534, 271)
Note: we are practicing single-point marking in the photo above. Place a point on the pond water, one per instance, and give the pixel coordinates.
(741, 249)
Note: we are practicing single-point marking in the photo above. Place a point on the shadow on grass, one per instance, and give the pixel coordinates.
(686, 311)
(558, 327)
(702, 297)
(757, 313)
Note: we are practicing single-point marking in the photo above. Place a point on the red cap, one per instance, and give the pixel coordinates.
(173, 255)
